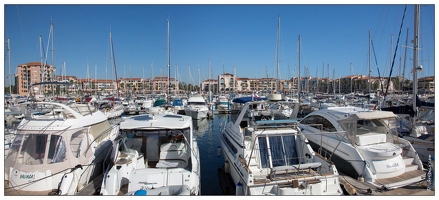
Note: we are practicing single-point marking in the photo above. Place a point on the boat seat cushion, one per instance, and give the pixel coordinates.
(370, 138)
(173, 151)
(165, 164)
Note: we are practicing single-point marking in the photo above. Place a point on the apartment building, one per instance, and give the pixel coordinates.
(210, 84)
(32, 73)
(426, 84)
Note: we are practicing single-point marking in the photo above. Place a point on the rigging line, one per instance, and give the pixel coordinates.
(22, 32)
(396, 49)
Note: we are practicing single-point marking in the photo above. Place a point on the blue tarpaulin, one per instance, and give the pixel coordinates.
(248, 99)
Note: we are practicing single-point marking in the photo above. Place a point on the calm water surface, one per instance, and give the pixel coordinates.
(207, 132)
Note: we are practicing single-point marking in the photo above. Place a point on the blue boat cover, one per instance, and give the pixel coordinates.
(177, 102)
(248, 99)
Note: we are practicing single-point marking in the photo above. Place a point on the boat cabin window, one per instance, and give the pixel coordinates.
(57, 149)
(371, 125)
(15, 147)
(277, 151)
(230, 144)
(165, 136)
(315, 119)
(32, 150)
(34, 146)
(196, 103)
(78, 143)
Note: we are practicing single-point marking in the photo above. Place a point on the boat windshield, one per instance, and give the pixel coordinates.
(164, 134)
(375, 125)
(279, 150)
(140, 98)
(33, 148)
(196, 103)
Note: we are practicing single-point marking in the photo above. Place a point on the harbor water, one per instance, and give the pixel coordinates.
(207, 132)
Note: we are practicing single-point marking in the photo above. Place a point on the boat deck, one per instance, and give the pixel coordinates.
(401, 178)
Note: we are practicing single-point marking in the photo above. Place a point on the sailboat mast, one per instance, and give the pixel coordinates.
(333, 81)
(415, 56)
(152, 77)
(106, 79)
(169, 60)
(234, 79)
(317, 77)
(368, 80)
(277, 55)
(208, 68)
(143, 80)
(175, 80)
(299, 82)
(114, 64)
(327, 88)
(9, 66)
(351, 77)
(42, 65)
(95, 85)
(339, 88)
(405, 59)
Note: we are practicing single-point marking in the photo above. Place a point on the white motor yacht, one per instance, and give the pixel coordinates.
(361, 144)
(158, 155)
(269, 156)
(196, 107)
(59, 152)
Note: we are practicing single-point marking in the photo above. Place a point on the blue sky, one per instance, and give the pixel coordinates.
(243, 37)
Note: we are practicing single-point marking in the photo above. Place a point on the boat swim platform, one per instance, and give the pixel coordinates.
(363, 188)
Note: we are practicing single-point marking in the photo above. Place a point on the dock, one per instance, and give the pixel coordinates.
(222, 111)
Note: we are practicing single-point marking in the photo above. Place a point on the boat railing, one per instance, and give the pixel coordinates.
(297, 170)
(83, 109)
(101, 136)
(275, 123)
(244, 164)
(322, 151)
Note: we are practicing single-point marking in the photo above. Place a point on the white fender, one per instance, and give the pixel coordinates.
(111, 184)
(67, 182)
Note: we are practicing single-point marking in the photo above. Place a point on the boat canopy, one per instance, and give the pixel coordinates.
(248, 99)
(370, 115)
(177, 102)
(159, 102)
